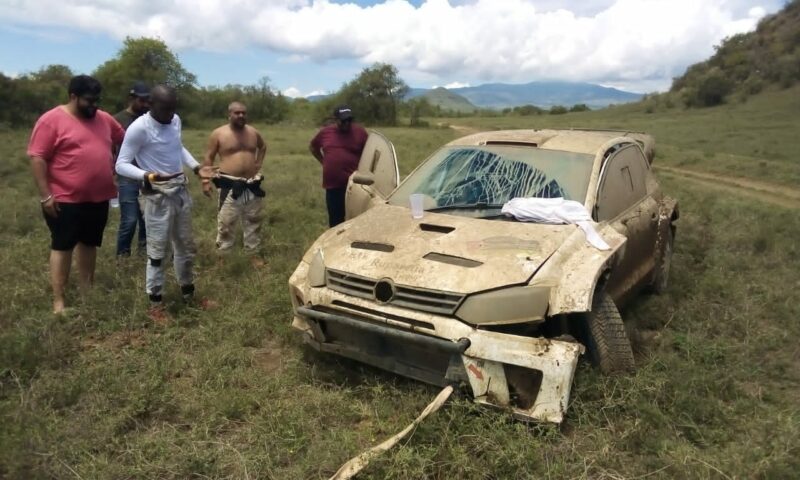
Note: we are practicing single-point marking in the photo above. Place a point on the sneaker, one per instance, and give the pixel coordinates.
(187, 292)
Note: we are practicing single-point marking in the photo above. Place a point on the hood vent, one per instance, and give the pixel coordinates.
(452, 260)
(376, 247)
(429, 227)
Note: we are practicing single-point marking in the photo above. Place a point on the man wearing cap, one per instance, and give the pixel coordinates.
(338, 148)
(130, 213)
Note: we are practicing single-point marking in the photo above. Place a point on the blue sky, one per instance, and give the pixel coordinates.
(313, 46)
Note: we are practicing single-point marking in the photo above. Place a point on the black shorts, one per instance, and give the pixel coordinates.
(77, 222)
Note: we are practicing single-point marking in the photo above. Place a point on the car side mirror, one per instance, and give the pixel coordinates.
(363, 178)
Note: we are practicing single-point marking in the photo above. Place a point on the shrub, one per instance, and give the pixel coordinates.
(713, 88)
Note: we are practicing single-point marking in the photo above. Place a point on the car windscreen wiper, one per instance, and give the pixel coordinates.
(502, 216)
(466, 206)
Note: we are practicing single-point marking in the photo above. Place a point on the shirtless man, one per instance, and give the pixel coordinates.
(241, 150)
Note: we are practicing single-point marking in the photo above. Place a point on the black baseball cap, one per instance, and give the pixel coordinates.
(343, 112)
(139, 89)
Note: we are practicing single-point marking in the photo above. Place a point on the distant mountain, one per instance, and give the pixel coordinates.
(316, 98)
(503, 95)
(445, 99)
(541, 94)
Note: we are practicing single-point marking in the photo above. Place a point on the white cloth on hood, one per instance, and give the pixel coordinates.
(555, 211)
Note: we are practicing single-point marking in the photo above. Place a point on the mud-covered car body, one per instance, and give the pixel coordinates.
(465, 295)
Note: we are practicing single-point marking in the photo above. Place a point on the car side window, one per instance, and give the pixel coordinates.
(623, 183)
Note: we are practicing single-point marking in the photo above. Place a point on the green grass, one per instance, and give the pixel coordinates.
(232, 393)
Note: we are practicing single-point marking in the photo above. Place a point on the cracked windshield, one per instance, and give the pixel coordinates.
(484, 177)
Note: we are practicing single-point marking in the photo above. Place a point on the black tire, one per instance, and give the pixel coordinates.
(661, 273)
(607, 341)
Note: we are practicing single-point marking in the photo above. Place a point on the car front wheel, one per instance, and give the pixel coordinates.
(607, 342)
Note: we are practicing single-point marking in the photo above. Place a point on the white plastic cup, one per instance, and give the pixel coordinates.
(114, 202)
(416, 200)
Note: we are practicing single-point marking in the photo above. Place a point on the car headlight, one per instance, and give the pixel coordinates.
(316, 270)
(506, 306)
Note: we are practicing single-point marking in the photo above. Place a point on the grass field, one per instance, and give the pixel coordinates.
(231, 393)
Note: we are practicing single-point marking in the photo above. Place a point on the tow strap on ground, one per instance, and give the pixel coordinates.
(356, 464)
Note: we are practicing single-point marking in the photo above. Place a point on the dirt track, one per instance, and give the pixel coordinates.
(767, 192)
(461, 129)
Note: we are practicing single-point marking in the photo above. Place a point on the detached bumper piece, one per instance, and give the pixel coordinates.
(532, 377)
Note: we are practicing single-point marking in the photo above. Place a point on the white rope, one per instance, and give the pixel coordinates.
(356, 464)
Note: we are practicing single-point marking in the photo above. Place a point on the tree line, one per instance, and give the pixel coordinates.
(376, 94)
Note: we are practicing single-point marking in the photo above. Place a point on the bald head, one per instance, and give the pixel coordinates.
(236, 106)
(163, 92)
(163, 103)
(237, 115)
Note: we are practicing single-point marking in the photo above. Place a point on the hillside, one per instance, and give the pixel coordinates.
(448, 100)
(747, 63)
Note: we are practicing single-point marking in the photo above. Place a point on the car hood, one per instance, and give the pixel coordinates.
(441, 252)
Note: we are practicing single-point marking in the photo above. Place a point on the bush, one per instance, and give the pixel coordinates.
(787, 70)
(753, 85)
(526, 110)
(713, 88)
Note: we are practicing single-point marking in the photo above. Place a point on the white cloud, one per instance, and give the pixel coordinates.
(611, 41)
(456, 85)
(294, 92)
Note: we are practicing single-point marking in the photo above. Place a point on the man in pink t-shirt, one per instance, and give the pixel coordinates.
(70, 151)
(338, 148)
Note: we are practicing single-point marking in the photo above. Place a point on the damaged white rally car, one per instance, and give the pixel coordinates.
(479, 296)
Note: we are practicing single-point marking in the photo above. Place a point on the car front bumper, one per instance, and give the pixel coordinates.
(530, 376)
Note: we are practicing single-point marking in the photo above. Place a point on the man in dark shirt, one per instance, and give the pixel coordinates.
(130, 213)
(338, 148)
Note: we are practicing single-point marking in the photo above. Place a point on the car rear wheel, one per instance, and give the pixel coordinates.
(607, 342)
(661, 276)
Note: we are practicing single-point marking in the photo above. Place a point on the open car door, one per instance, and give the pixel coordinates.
(377, 176)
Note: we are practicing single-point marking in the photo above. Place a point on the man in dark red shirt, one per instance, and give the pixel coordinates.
(70, 152)
(338, 148)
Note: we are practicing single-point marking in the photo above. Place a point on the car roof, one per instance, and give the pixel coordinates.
(574, 140)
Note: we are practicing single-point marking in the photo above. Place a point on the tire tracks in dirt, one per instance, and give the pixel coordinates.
(767, 192)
